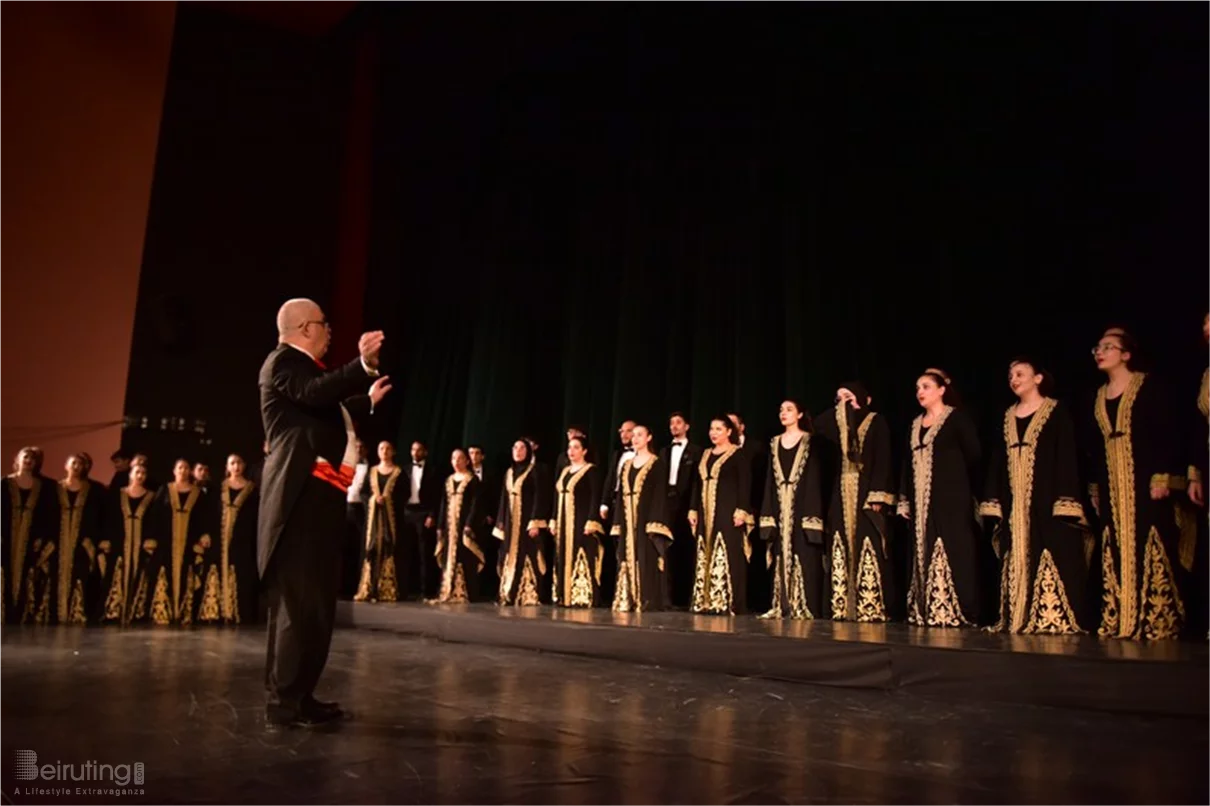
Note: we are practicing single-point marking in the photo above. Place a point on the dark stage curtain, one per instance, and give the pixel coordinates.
(585, 214)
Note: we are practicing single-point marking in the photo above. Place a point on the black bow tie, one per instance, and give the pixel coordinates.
(675, 443)
(418, 464)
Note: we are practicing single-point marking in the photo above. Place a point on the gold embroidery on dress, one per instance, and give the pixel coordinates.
(629, 594)
(840, 591)
(1163, 612)
(622, 598)
(132, 529)
(22, 522)
(1110, 621)
(448, 540)
(565, 526)
(709, 500)
(115, 601)
(231, 595)
(231, 509)
(70, 518)
(1119, 456)
(850, 482)
(385, 587)
(137, 607)
(1021, 456)
(209, 609)
(456, 593)
(922, 474)
(388, 583)
(944, 610)
(42, 615)
(1051, 613)
(870, 604)
(580, 583)
(161, 605)
(789, 591)
(180, 539)
(719, 599)
(75, 608)
(527, 591)
(786, 494)
(914, 615)
(700, 577)
(514, 488)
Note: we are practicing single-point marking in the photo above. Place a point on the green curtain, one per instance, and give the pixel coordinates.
(619, 222)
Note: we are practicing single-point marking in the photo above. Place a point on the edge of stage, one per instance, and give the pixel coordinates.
(1168, 678)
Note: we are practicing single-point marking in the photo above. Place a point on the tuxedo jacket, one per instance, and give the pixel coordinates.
(432, 484)
(686, 475)
(301, 411)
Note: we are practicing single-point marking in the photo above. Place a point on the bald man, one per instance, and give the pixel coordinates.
(308, 414)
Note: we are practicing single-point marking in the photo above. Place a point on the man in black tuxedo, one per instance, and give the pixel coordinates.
(681, 459)
(489, 499)
(426, 483)
(308, 414)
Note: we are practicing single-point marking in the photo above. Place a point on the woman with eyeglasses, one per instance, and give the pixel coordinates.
(1033, 493)
(854, 445)
(1137, 465)
(937, 495)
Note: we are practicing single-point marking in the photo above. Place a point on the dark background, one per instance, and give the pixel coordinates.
(586, 213)
(623, 211)
(243, 211)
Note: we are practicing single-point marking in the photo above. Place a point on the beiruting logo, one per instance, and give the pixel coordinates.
(26, 768)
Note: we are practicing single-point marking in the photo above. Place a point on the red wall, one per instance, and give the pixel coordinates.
(83, 85)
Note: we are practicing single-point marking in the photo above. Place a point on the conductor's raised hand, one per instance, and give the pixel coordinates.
(379, 389)
(368, 345)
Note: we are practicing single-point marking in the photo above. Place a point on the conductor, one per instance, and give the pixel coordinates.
(308, 414)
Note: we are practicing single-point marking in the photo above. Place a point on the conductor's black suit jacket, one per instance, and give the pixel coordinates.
(301, 410)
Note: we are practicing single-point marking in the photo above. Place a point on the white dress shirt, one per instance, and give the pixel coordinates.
(359, 479)
(478, 472)
(417, 477)
(674, 459)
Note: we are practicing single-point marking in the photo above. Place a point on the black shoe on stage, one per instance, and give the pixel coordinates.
(311, 714)
(329, 709)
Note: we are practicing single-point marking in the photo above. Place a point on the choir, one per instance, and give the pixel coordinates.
(76, 552)
(1089, 519)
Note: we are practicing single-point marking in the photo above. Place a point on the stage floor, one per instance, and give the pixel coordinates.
(439, 722)
(1062, 671)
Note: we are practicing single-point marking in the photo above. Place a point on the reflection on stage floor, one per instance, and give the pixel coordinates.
(447, 723)
(895, 634)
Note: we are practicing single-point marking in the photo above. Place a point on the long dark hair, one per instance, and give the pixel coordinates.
(806, 423)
